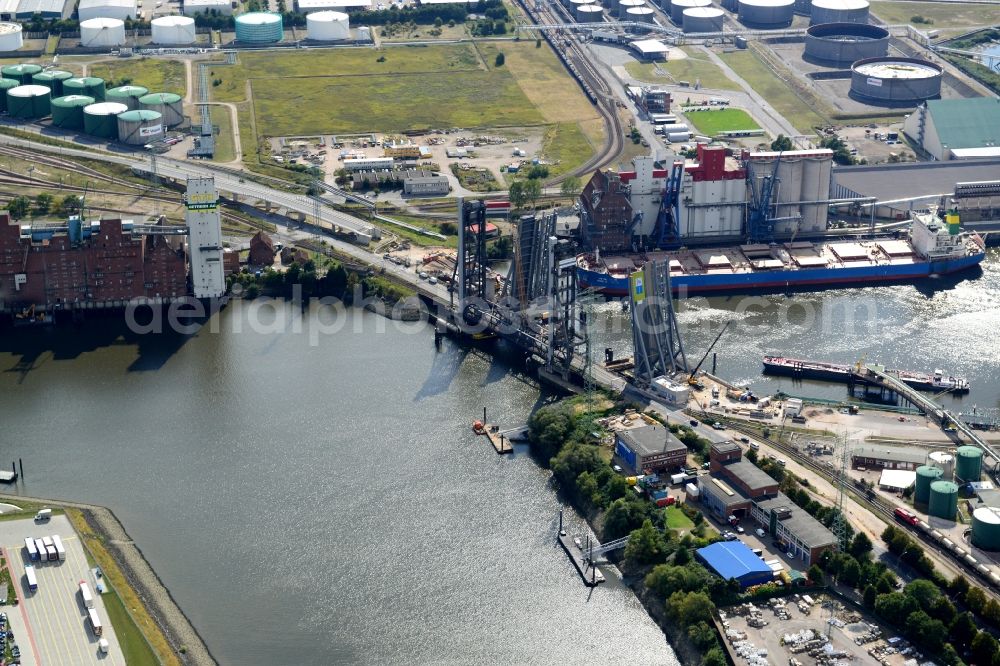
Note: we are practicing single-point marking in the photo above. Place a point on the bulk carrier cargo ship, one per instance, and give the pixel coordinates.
(932, 248)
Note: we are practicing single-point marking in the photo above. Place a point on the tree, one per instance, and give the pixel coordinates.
(538, 43)
(587, 489)
(682, 555)
(983, 648)
(517, 194)
(816, 575)
(533, 190)
(861, 546)
(570, 186)
(975, 599)
(958, 587)
(438, 22)
(70, 205)
(894, 606)
(714, 657)
(782, 143)
(924, 630)
(991, 612)
(499, 59)
(573, 459)
(18, 207)
(702, 635)
(923, 591)
(623, 516)
(942, 609)
(869, 596)
(690, 607)
(646, 545)
(963, 630)
(548, 429)
(850, 572)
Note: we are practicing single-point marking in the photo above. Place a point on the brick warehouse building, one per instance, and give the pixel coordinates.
(98, 263)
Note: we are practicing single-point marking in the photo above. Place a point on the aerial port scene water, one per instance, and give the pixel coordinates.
(506, 332)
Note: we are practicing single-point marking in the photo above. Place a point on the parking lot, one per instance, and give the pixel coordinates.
(50, 625)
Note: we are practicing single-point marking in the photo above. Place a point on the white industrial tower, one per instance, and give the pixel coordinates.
(208, 278)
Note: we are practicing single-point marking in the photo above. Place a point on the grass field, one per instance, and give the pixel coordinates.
(134, 647)
(676, 520)
(943, 14)
(773, 89)
(711, 123)
(225, 149)
(566, 147)
(696, 67)
(157, 74)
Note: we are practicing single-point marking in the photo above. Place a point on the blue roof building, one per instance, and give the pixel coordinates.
(732, 559)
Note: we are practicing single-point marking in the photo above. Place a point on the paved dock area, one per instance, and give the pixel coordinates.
(50, 625)
(590, 574)
(500, 443)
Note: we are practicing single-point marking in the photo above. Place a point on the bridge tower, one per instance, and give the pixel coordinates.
(656, 339)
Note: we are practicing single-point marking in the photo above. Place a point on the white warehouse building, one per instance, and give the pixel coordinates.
(116, 9)
(367, 163)
(192, 7)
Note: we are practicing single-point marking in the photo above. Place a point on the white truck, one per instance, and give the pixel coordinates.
(85, 595)
(60, 550)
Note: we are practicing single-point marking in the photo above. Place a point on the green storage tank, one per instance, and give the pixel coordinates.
(5, 85)
(29, 102)
(168, 105)
(139, 127)
(67, 111)
(944, 500)
(20, 73)
(127, 95)
(52, 79)
(91, 86)
(101, 119)
(969, 463)
(986, 528)
(926, 475)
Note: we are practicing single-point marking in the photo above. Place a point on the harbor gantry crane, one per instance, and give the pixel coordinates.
(693, 377)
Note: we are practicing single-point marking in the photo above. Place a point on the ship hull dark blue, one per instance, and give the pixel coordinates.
(814, 278)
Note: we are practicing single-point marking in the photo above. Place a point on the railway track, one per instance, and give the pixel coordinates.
(571, 51)
(955, 559)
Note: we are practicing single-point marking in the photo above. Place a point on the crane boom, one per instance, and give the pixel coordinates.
(692, 379)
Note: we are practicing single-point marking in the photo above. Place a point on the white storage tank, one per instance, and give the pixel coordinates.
(679, 137)
(10, 37)
(944, 461)
(363, 34)
(102, 32)
(702, 19)
(589, 14)
(328, 26)
(677, 8)
(177, 30)
(767, 14)
(137, 128)
(625, 5)
(838, 11)
(640, 15)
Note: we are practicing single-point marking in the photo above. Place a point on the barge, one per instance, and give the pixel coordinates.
(936, 382)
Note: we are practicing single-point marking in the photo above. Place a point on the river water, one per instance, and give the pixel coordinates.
(317, 499)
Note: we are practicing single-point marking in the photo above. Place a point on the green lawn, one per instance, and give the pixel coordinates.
(696, 67)
(566, 147)
(773, 89)
(676, 520)
(712, 122)
(942, 14)
(225, 150)
(135, 649)
(157, 74)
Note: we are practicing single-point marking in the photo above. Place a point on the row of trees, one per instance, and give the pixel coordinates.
(43, 204)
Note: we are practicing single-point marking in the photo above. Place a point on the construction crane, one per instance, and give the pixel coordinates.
(693, 378)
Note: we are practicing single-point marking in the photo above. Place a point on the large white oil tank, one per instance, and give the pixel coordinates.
(328, 26)
(10, 37)
(101, 32)
(173, 30)
(945, 461)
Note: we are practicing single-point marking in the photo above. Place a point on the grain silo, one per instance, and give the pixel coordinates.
(29, 102)
(137, 128)
(943, 501)
(91, 86)
(986, 528)
(767, 14)
(101, 119)
(52, 79)
(67, 111)
(622, 6)
(176, 30)
(677, 8)
(895, 81)
(926, 475)
(20, 73)
(5, 85)
(703, 19)
(838, 11)
(259, 28)
(328, 26)
(589, 14)
(841, 44)
(944, 461)
(127, 95)
(168, 105)
(11, 38)
(102, 33)
(968, 463)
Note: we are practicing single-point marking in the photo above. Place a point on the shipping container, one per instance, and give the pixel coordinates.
(85, 595)
(678, 137)
(29, 574)
(60, 551)
(678, 478)
(692, 490)
(42, 554)
(29, 545)
(95, 622)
